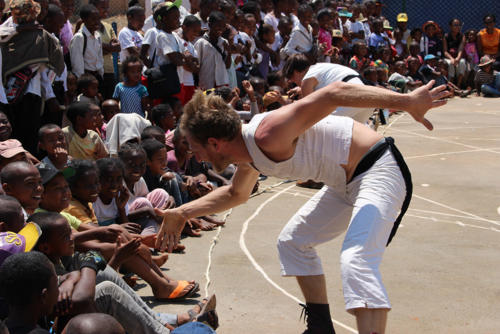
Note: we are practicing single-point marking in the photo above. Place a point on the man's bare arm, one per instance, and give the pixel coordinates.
(219, 200)
(290, 121)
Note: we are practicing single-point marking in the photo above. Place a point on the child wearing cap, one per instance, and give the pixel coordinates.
(130, 38)
(12, 150)
(402, 23)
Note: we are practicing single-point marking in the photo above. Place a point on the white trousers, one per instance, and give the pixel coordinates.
(367, 207)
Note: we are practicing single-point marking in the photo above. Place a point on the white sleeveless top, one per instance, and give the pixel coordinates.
(318, 154)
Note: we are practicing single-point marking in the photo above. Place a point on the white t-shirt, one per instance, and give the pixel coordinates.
(327, 73)
(355, 27)
(166, 43)
(148, 24)
(186, 78)
(106, 213)
(128, 38)
(140, 190)
(150, 39)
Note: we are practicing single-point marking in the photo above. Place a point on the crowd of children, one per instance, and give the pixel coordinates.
(92, 155)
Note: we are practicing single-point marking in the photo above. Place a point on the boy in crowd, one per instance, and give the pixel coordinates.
(22, 181)
(83, 142)
(53, 143)
(11, 150)
(88, 89)
(28, 283)
(110, 44)
(191, 30)
(130, 38)
(301, 39)
(213, 51)
(86, 45)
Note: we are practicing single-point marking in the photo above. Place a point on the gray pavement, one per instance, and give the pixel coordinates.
(441, 270)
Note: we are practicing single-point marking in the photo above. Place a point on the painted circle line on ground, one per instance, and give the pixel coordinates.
(260, 269)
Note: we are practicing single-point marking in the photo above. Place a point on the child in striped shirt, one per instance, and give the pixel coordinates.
(132, 95)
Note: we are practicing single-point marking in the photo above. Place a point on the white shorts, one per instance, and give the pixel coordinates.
(367, 207)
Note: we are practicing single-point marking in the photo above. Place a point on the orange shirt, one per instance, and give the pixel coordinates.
(490, 42)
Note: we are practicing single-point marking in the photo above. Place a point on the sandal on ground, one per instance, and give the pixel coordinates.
(207, 304)
(176, 294)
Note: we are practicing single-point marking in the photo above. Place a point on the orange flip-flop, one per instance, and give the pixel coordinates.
(181, 285)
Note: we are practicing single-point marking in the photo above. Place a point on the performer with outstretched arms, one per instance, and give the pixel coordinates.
(367, 184)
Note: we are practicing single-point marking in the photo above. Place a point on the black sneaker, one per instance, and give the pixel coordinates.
(316, 323)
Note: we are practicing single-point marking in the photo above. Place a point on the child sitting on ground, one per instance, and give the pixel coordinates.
(28, 283)
(96, 280)
(132, 95)
(83, 142)
(399, 81)
(51, 141)
(88, 89)
(130, 38)
(163, 116)
(56, 198)
(11, 150)
(22, 181)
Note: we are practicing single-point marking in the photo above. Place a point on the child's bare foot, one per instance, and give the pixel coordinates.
(213, 220)
(160, 260)
(190, 229)
(203, 225)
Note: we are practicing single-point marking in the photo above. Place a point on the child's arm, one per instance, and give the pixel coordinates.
(144, 55)
(145, 104)
(123, 251)
(100, 149)
(67, 284)
(146, 212)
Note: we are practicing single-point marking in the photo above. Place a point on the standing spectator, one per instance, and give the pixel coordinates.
(325, 20)
(206, 8)
(25, 61)
(377, 37)
(130, 38)
(213, 52)
(109, 45)
(453, 48)
(354, 27)
(430, 43)
(280, 8)
(86, 45)
(133, 96)
(301, 39)
(402, 23)
(281, 38)
(66, 33)
(488, 40)
(191, 29)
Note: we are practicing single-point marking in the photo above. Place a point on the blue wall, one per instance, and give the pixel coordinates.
(470, 12)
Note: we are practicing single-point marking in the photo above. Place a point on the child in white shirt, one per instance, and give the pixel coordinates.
(130, 38)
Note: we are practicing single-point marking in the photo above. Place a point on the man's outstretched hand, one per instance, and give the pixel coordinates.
(169, 234)
(425, 98)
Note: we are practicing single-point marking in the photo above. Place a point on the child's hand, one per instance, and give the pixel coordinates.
(132, 227)
(247, 86)
(169, 203)
(109, 233)
(64, 303)
(60, 154)
(149, 240)
(167, 176)
(123, 251)
(122, 198)
(295, 93)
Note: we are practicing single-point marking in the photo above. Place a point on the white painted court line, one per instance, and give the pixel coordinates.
(457, 210)
(454, 222)
(260, 269)
(446, 141)
(445, 214)
(450, 153)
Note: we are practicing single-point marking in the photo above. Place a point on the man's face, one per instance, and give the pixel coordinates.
(210, 152)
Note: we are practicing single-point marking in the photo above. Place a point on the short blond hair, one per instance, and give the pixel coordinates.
(210, 117)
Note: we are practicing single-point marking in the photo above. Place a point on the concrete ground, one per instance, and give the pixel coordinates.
(441, 271)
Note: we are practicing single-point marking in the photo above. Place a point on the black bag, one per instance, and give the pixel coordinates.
(163, 81)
